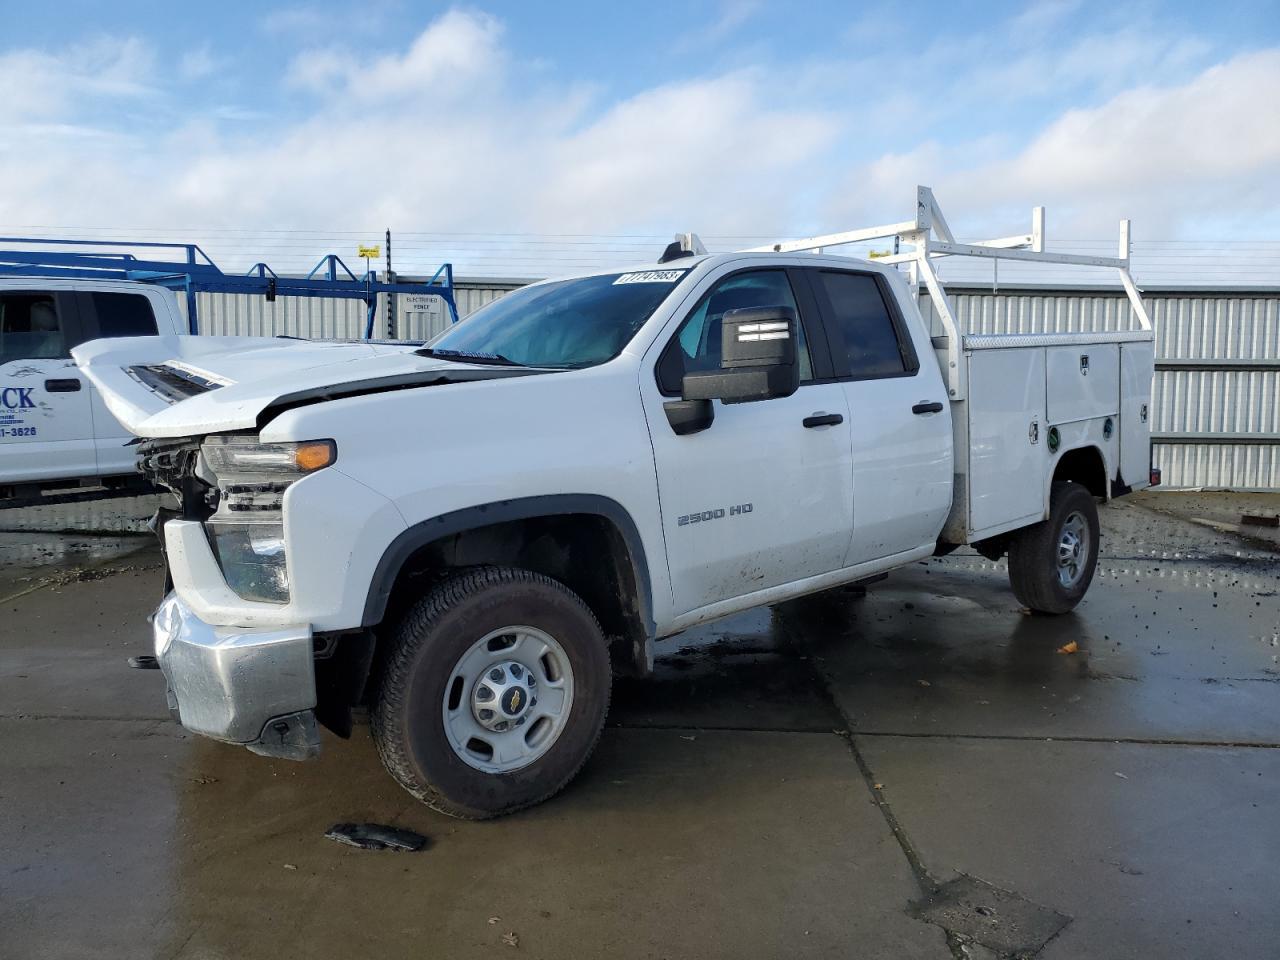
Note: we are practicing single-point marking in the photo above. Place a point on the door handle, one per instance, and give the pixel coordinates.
(927, 406)
(69, 385)
(823, 420)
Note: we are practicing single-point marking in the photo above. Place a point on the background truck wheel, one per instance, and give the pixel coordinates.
(494, 693)
(1051, 563)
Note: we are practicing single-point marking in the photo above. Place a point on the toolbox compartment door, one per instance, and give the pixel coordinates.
(1136, 363)
(1083, 381)
(1007, 458)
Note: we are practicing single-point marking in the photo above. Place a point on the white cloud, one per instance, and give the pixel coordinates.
(458, 50)
(732, 15)
(50, 87)
(450, 134)
(453, 132)
(1174, 158)
(199, 63)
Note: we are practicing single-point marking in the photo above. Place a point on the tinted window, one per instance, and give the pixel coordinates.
(696, 345)
(863, 326)
(124, 315)
(570, 323)
(30, 327)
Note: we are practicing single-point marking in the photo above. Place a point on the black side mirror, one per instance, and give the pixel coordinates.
(757, 358)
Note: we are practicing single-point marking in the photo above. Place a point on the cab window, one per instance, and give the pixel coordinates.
(696, 345)
(867, 338)
(123, 315)
(30, 327)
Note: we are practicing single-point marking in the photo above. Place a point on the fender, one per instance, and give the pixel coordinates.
(503, 511)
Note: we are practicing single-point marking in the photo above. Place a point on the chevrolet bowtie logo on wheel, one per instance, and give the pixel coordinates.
(514, 700)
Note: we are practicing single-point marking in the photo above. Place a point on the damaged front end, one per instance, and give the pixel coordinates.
(263, 687)
(171, 465)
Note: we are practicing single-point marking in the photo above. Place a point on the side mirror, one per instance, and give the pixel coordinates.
(757, 358)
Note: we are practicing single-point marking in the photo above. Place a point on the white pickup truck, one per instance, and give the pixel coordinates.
(471, 537)
(55, 432)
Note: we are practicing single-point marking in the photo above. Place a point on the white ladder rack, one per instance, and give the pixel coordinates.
(931, 237)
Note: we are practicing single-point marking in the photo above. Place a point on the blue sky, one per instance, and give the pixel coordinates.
(738, 119)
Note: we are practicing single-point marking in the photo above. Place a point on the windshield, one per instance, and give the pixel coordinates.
(570, 323)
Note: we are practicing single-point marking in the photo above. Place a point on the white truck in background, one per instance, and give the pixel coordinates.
(472, 537)
(58, 441)
(55, 432)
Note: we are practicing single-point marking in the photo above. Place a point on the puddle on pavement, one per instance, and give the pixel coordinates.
(742, 672)
(29, 558)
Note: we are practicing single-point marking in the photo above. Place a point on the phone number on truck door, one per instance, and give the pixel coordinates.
(7, 432)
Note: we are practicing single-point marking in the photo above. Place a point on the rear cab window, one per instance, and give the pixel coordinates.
(111, 314)
(868, 337)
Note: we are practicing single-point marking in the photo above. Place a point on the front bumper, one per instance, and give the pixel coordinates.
(250, 686)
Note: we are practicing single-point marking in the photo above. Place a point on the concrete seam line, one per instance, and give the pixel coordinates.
(1128, 741)
(31, 589)
(924, 879)
(676, 727)
(93, 718)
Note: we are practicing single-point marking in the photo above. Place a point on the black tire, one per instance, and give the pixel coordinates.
(407, 721)
(1033, 553)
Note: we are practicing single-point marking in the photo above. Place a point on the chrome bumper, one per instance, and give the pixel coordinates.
(252, 687)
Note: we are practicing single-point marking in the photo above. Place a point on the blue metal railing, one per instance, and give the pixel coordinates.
(197, 273)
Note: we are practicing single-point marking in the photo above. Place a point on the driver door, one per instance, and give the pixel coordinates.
(764, 495)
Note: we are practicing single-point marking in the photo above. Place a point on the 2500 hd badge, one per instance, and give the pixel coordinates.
(734, 511)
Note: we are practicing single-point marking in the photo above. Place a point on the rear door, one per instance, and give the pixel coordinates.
(109, 313)
(46, 422)
(899, 418)
(759, 498)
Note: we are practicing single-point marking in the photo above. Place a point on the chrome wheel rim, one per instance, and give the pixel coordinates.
(508, 699)
(1073, 549)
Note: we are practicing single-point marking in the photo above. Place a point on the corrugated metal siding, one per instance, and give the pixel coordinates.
(1216, 327)
(988, 313)
(1188, 327)
(241, 315)
(1233, 466)
(1217, 401)
(253, 316)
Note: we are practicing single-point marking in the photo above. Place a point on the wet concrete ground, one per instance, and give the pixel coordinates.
(816, 779)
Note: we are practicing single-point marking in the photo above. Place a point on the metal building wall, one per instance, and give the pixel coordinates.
(242, 315)
(1216, 396)
(420, 318)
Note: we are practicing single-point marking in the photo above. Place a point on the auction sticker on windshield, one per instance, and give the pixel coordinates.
(651, 276)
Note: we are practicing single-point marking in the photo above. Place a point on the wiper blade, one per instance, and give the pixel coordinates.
(462, 356)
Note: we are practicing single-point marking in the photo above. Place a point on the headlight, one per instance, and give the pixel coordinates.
(245, 459)
(247, 530)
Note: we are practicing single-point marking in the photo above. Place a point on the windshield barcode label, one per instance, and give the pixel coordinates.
(651, 276)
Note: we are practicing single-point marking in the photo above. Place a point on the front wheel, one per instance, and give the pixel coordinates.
(494, 693)
(1051, 563)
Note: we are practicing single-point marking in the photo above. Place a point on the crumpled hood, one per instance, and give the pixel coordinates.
(183, 386)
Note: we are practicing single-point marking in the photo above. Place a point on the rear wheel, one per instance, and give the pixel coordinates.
(494, 693)
(1051, 563)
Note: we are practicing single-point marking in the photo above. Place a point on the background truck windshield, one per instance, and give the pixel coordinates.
(570, 323)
